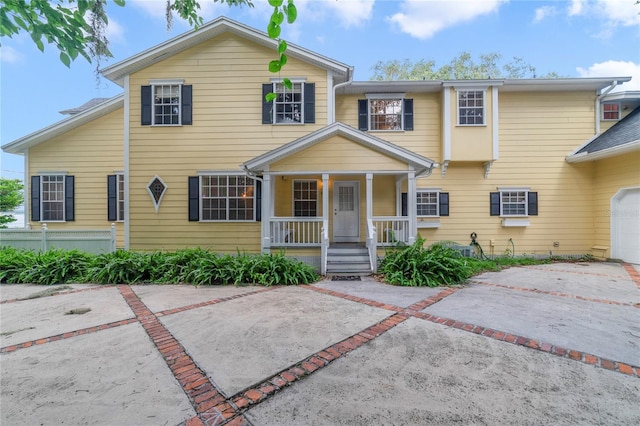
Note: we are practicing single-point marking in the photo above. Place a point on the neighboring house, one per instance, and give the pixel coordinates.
(191, 155)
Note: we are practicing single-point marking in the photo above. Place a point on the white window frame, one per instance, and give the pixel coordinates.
(164, 83)
(525, 202)
(227, 197)
(120, 196)
(47, 176)
(619, 111)
(294, 200)
(433, 191)
(278, 83)
(385, 97)
(484, 106)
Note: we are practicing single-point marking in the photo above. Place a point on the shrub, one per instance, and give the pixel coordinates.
(55, 266)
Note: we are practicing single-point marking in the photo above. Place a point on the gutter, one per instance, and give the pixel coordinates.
(335, 88)
(597, 106)
(604, 153)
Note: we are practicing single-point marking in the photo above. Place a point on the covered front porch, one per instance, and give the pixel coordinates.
(337, 187)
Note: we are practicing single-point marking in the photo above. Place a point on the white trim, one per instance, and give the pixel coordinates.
(484, 105)
(50, 173)
(603, 153)
(385, 95)
(292, 79)
(26, 195)
(511, 222)
(42, 175)
(293, 198)
(431, 222)
(153, 199)
(494, 122)
(602, 111)
(331, 100)
(222, 173)
(437, 191)
(513, 188)
(166, 81)
(446, 127)
(126, 160)
(254, 179)
(613, 224)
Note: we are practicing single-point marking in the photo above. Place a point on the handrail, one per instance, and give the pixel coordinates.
(324, 247)
(372, 245)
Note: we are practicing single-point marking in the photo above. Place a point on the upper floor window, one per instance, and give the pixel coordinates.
(166, 103)
(295, 105)
(471, 107)
(514, 202)
(385, 112)
(305, 198)
(227, 198)
(52, 198)
(611, 111)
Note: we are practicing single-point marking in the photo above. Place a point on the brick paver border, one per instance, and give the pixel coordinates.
(633, 273)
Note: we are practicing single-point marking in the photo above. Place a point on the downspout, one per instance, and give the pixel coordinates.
(597, 108)
(335, 88)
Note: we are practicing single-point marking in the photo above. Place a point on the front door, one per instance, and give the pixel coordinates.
(346, 212)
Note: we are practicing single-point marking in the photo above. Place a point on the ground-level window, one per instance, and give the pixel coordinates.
(52, 198)
(514, 202)
(611, 111)
(471, 107)
(305, 198)
(227, 198)
(429, 203)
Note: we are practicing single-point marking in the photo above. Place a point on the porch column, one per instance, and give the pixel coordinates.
(369, 195)
(411, 206)
(325, 196)
(267, 213)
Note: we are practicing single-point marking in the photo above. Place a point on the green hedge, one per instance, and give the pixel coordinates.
(194, 266)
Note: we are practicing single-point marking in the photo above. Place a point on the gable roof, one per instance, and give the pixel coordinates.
(422, 165)
(19, 146)
(119, 70)
(85, 106)
(622, 137)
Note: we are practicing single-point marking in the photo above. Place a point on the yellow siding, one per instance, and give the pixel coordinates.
(426, 137)
(338, 153)
(471, 143)
(227, 74)
(611, 175)
(90, 153)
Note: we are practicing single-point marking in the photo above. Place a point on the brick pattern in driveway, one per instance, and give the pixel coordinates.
(213, 407)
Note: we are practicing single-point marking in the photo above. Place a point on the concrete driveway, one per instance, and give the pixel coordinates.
(554, 344)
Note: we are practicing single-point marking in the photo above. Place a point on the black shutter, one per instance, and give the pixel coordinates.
(258, 201)
(408, 114)
(187, 108)
(112, 198)
(194, 198)
(35, 198)
(267, 107)
(444, 203)
(145, 102)
(494, 198)
(533, 203)
(309, 102)
(69, 205)
(404, 205)
(363, 115)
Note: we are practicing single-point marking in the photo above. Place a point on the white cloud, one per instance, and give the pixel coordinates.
(9, 55)
(352, 13)
(543, 12)
(422, 19)
(576, 7)
(613, 68)
(612, 12)
(115, 31)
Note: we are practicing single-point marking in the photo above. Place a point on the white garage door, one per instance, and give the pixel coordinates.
(625, 225)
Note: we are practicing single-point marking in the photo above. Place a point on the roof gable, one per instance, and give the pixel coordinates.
(119, 70)
(419, 163)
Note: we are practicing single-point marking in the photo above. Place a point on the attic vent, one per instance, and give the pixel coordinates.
(156, 189)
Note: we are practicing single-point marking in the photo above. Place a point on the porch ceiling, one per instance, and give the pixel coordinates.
(421, 165)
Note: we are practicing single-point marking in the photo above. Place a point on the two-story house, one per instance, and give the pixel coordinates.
(191, 154)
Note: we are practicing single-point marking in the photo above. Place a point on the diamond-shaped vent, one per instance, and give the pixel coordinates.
(156, 189)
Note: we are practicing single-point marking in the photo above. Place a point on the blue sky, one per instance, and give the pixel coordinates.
(574, 38)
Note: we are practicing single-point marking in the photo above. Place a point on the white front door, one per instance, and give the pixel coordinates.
(346, 212)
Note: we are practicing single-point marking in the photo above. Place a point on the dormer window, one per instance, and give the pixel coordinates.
(471, 108)
(611, 111)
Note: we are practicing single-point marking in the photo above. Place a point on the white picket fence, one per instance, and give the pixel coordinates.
(94, 241)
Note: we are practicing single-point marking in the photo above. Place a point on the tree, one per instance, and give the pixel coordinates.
(10, 198)
(462, 67)
(78, 27)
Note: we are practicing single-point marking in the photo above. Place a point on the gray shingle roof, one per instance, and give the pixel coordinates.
(85, 106)
(623, 132)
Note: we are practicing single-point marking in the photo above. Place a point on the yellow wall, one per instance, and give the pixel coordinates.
(471, 143)
(227, 73)
(610, 175)
(90, 153)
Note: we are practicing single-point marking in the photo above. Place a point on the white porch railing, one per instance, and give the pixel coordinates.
(324, 248)
(391, 230)
(372, 245)
(95, 241)
(296, 231)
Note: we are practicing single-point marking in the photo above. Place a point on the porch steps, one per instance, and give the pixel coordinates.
(348, 260)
